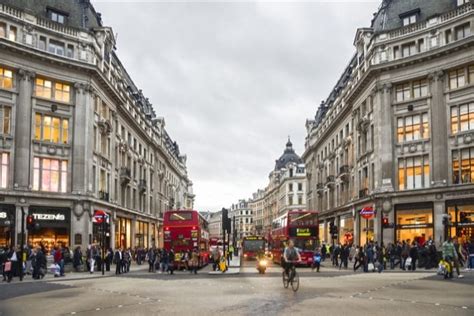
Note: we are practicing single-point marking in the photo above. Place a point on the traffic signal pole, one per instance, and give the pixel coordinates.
(22, 246)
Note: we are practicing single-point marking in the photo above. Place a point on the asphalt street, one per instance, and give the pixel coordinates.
(331, 292)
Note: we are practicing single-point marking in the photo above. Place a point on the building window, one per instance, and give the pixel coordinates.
(49, 175)
(462, 118)
(463, 31)
(70, 51)
(413, 127)
(290, 187)
(463, 166)
(457, 78)
(4, 170)
(300, 186)
(408, 49)
(56, 16)
(415, 89)
(51, 129)
(56, 47)
(59, 91)
(42, 43)
(462, 2)
(420, 88)
(470, 70)
(3, 29)
(290, 200)
(6, 78)
(413, 173)
(407, 20)
(12, 33)
(5, 119)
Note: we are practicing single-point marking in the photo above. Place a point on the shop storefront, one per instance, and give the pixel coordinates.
(101, 231)
(462, 219)
(54, 227)
(414, 222)
(123, 234)
(7, 225)
(141, 234)
(366, 225)
(346, 230)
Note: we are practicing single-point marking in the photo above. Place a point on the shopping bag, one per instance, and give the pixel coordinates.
(371, 267)
(8, 266)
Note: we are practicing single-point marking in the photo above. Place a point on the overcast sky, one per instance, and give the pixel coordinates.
(234, 79)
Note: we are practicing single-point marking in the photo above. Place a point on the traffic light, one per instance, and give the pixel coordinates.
(225, 219)
(30, 222)
(385, 223)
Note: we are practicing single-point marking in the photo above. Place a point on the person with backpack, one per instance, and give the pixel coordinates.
(317, 256)
(413, 255)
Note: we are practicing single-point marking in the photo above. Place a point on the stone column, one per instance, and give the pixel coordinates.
(23, 116)
(83, 140)
(384, 131)
(439, 131)
(439, 211)
(17, 237)
(132, 233)
(112, 231)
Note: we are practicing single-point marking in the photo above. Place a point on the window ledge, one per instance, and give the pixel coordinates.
(46, 143)
(52, 100)
(465, 87)
(406, 102)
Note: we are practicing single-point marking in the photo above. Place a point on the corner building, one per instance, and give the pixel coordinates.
(77, 135)
(396, 134)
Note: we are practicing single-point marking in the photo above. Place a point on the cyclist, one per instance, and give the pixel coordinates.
(290, 256)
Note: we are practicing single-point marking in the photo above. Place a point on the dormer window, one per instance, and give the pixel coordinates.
(462, 2)
(410, 17)
(57, 16)
(409, 20)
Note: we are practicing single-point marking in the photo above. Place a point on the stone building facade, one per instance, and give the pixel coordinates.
(285, 191)
(243, 215)
(78, 136)
(396, 134)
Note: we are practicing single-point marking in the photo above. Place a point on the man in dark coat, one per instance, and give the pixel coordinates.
(118, 261)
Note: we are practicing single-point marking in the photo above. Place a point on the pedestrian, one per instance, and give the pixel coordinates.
(39, 264)
(77, 259)
(164, 261)
(470, 252)
(3, 260)
(360, 259)
(231, 251)
(449, 255)
(194, 261)
(108, 259)
(59, 260)
(316, 260)
(413, 255)
(405, 254)
(171, 259)
(323, 252)
(215, 258)
(12, 264)
(92, 256)
(151, 260)
(118, 261)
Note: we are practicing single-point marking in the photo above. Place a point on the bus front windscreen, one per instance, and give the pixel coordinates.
(253, 245)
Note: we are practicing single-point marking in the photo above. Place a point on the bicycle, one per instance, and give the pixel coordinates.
(292, 278)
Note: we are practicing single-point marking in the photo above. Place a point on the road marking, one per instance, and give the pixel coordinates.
(437, 304)
(120, 306)
(464, 307)
(97, 309)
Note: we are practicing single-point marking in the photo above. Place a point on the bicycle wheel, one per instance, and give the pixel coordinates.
(295, 283)
(285, 280)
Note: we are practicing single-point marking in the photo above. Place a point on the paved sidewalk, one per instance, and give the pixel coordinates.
(49, 277)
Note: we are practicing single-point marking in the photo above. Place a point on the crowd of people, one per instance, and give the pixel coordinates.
(406, 255)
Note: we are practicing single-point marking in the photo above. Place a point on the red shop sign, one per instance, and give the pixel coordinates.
(367, 212)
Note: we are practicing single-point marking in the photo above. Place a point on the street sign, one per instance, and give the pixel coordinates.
(367, 212)
(100, 216)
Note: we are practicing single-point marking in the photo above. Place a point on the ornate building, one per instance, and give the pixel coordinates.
(285, 191)
(77, 135)
(243, 219)
(395, 136)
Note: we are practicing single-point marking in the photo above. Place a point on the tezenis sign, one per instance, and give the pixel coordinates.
(49, 217)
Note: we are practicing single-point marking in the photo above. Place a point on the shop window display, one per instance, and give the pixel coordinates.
(366, 230)
(414, 224)
(346, 230)
(462, 219)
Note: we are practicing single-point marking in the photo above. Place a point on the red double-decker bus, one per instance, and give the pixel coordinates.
(251, 245)
(300, 226)
(186, 230)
